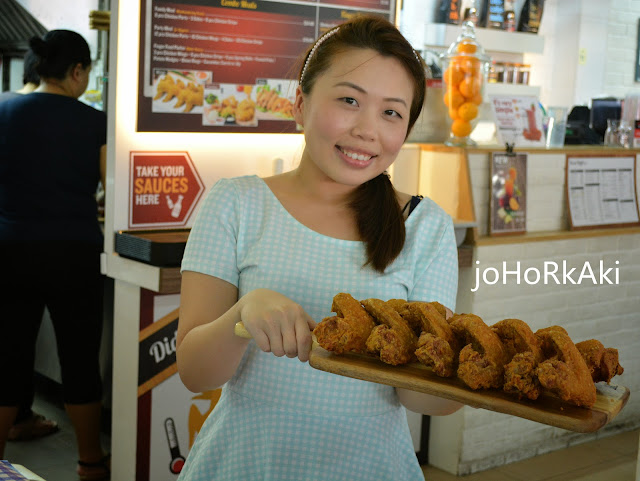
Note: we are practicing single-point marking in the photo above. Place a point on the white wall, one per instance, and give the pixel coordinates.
(63, 14)
(605, 312)
(605, 32)
(622, 40)
(67, 15)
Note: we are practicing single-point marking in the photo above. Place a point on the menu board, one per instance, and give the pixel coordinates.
(601, 191)
(230, 65)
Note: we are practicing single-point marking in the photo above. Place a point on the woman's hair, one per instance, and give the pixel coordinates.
(378, 215)
(58, 52)
(29, 74)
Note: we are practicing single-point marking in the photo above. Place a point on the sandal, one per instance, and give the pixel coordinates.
(98, 471)
(34, 427)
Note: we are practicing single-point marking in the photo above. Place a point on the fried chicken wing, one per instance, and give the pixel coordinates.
(602, 362)
(482, 359)
(349, 330)
(564, 372)
(393, 339)
(438, 346)
(432, 320)
(520, 376)
(402, 307)
(523, 353)
(516, 337)
(437, 353)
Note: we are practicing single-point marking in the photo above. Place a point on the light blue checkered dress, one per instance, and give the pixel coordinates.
(279, 419)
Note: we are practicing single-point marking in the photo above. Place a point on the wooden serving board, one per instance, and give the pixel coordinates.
(546, 410)
(416, 377)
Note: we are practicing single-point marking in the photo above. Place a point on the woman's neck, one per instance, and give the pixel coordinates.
(315, 184)
(58, 87)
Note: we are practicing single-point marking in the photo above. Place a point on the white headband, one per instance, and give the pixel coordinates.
(315, 47)
(322, 39)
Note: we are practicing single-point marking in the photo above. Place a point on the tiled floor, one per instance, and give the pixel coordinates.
(610, 459)
(53, 457)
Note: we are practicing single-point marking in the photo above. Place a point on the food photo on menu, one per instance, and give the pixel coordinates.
(179, 91)
(274, 99)
(229, 105)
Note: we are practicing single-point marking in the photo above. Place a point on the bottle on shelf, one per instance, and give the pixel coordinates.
(493, 13)
(509, 22)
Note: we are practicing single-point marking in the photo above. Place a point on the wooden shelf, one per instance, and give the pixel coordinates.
(545, 236)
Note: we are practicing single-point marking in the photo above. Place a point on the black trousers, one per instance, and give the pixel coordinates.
(64, 277)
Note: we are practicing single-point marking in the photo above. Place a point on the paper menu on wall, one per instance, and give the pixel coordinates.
(601, 191)
(518, 120)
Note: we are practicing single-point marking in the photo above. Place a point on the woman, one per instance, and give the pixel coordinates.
(273, 252)
(50, 239)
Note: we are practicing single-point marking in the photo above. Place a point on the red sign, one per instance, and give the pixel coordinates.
(165, 188)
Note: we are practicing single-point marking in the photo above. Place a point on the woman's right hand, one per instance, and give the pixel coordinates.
(277, 324)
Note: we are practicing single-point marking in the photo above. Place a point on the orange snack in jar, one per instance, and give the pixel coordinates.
(461, 128)
(467, 47)
(477, 99)
(470, 65)
(453, 75)
(464, 71)
(468, 111)
(469, 87)
(453, 98)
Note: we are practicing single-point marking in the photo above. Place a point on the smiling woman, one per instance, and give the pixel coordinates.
(274, 252)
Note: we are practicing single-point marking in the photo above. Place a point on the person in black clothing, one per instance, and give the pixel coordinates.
(28, 425)
(50, 239)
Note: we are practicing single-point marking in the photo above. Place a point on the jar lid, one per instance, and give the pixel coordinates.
(466, 45)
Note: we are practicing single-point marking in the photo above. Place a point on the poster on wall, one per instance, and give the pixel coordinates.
(165, 188)
(601, 191)
(518, 120)
(508, 209)
(169, 416)
(230, 65)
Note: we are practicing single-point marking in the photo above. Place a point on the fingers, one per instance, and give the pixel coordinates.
(283, 332)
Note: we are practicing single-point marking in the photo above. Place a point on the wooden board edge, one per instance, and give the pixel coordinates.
(574, 418)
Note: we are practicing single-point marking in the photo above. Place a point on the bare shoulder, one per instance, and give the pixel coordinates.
(279, 183)
(403, 198)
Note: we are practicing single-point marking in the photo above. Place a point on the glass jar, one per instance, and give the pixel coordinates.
(493, 73)
(466, 68)
(509, 70)
(611, 134)
(523, 74)
(499, 72)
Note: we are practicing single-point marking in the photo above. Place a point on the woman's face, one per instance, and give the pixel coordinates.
(356, 116)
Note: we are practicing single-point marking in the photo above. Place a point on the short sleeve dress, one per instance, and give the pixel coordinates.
(279, 419)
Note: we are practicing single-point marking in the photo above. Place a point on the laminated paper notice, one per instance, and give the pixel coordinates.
(601, 191)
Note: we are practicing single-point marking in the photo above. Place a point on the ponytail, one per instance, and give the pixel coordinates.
(380, 221)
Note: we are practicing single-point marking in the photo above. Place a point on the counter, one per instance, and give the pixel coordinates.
(458, 179)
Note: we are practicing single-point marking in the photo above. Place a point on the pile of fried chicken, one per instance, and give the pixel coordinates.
(507, 355)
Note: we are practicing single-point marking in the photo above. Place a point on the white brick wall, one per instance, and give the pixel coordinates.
(546, 203)
(622, 36)
(610, 313)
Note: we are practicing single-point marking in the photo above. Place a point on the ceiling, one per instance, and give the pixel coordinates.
(17, 26)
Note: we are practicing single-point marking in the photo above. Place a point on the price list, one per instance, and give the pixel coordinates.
(601, 191)
(230, 65)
